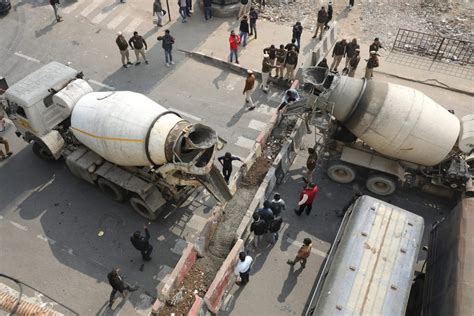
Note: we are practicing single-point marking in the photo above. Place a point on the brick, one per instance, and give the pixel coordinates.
(196, 308)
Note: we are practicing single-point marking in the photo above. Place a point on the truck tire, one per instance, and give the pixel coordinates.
(381, 184)
(112, 190)
(341, 172)
(142, 208)
(42, 151)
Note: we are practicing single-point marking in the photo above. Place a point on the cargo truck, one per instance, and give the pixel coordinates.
(131, 147)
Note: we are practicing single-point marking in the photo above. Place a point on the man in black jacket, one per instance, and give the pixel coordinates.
(118, 285)
(226, 162)
(337, 53)
(137, 43)
(141, 243)
(123, 47)
(259, 228)
(322, 18)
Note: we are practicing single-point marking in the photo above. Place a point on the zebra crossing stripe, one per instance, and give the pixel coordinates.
(117, 20)
(71, 8)
(133, 25)
(102, 15)
(91, 7)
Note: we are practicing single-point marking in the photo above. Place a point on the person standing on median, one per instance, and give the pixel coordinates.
(253, 15)
(322, 17)
(306, 199)
(303, 253)
(158, 10)
(138, 44)
(123, 47)
(54, 4)
(167, 44)
(226, 162)
(234, 41)
(337, 54)
(242, 268)
(141, 243)
(118, 285)
(249, 85)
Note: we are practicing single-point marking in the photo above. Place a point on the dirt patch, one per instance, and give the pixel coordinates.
(182, 298)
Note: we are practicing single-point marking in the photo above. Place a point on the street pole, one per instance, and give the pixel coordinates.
(168, 7)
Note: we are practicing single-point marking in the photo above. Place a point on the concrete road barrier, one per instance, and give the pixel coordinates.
(224, 278)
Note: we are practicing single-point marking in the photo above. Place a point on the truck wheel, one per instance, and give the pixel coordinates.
(142, 208)
(42, 151)
(381, 184)
(341, 172)
(112, 190)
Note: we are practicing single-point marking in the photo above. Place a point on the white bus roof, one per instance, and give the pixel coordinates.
(373, 264)
(35, 86)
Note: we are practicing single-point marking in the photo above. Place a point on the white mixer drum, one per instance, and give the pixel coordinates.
(118, 126)
(399, 122)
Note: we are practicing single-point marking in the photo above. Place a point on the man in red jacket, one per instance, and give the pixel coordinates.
(306, 199)
(234, 41)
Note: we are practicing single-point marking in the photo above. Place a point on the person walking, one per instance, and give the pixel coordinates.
(158, 11)
(267, 67)
(138, 44)
(207, 9)
(244, 30)
(350, 50)
(242, 269)
(234, 41)
(274, 228)
(249, 85)
(54, 4)
(253, 15)
(351, 4)
(353, 63)
(226, 162)
(291, 61)
(167, 44)
(303, 253)
(4, 127)
(280, 55)
(337, 54)
(329, 18)
(189, 7)
(118, 285)
(375, 46)
(243, 8)
(277, 204)
(258, 228)
(306, 199)
(142, 244)
(266, 213)
(311, 164)
(183, 10)
(322, 17)
(123, 48)
(372, 62)
(296, 33)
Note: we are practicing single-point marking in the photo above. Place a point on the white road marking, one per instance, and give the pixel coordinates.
(47, 239)
(245, 142)
(257, 125)
(71, 8)
(100, 84)
(1, 217)
(186, 114)
(132, 26)
(102, 15)
(23, 228)
(27, 57)
(313, 250)
(117, 20)
(164, 271)
(91, 7)
(44, 186)
(264, 109)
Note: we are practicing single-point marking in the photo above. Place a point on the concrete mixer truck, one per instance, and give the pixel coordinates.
(128, 145)
(390, 134)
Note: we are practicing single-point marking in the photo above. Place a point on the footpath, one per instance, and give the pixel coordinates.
(276, 288)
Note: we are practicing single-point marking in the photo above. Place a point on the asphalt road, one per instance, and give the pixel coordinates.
(49, 220)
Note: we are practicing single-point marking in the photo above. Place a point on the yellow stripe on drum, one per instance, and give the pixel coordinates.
(109, 138)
